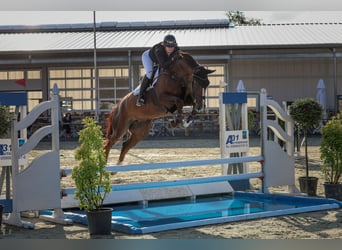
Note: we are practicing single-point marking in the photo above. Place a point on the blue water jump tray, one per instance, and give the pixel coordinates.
(167, 215)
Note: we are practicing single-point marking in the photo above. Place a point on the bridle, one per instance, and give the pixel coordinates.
(201, 81)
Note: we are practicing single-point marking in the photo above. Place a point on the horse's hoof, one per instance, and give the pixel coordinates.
(113, 173)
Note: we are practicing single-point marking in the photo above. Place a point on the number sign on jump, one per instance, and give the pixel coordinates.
(6, 153)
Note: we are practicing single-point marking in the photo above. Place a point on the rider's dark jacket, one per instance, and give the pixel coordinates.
(159, 56)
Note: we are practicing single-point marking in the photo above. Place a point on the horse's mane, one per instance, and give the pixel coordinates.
(189, 59)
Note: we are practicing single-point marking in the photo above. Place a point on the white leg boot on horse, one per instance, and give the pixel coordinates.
(188, 121)
(180, 119)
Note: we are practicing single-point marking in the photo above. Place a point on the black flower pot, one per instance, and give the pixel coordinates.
(308, 185)
(100, 221)
(333, 191)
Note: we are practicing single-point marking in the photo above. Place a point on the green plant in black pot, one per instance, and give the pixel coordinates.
(306, 113)
(91, 178)
(331, 155)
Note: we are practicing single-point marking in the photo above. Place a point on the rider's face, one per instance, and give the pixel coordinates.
(169, 50)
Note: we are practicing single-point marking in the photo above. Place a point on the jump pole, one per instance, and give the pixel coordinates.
(168, 189)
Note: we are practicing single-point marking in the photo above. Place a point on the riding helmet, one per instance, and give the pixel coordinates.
(169, 41)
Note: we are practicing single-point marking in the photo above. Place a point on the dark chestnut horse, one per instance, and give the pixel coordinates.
(182, 85)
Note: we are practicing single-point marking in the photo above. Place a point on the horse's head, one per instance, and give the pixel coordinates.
(199, 81)
(200, 84)
(193, 78)
(182, 74)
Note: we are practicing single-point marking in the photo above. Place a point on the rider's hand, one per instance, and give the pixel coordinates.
(176, 56)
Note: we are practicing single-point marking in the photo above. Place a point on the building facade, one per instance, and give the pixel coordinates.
(95, 68)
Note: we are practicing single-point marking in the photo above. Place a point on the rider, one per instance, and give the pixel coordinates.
(161, 54)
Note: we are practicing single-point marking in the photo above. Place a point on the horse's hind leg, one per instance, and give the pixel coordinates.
(139, 130)
(108, 146)
(109, 142)
(113, 139)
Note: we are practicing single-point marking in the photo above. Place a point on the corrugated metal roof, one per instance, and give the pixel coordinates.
(117, 26)
(224, 37)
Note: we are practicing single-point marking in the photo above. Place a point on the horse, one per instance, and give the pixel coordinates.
(183, 84)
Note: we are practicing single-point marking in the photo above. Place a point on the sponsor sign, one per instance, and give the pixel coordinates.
(6, 152)
(237, 141)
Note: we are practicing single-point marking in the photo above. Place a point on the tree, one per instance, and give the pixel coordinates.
(238, 18)
(306, 113)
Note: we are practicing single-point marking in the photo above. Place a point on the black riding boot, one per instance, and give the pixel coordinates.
(143, 86)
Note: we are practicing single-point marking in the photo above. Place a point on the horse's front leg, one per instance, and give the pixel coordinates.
(189, 117)
(186, 119)
(179, 117)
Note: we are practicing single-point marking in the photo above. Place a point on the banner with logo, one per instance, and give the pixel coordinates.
(6, 152)
(237, 141)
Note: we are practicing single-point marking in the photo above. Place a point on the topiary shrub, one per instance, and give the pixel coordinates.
(306, 113)
(331, 149)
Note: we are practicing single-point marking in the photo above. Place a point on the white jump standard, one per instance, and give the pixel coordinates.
(37, 187)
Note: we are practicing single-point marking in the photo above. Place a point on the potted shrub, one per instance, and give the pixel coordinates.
(91, 178)
(306, 113)
(331, 155)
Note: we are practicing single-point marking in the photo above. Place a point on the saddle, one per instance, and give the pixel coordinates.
(155, 74)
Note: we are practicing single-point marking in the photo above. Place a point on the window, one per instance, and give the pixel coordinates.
(34, 98)
(113, 85)
(33, 74)
(76, 86)
(79, 84)
(3, 75)
(20, 74)
(14, 75)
